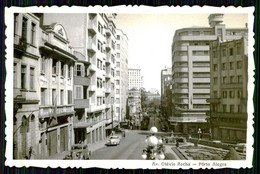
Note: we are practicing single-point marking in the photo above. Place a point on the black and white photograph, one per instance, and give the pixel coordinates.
(91, 85)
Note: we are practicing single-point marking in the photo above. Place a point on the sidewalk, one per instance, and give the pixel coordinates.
(92, 148)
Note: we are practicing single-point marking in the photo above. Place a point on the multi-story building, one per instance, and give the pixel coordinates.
(191, 72)
(135, 107)
(121, 80)
(135, 80)
(26, 91)
(166, 79)
(228, 97)
(56, 111)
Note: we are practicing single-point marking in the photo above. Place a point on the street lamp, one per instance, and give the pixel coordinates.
(199, 132)
(155, 149)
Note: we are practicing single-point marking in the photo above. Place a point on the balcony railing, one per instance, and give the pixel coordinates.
(81, 103)
(47, 111)
(23, 95)
(79, 80)
(228, 115)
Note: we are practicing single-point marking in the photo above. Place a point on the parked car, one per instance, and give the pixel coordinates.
(78, 152)
(113, 141)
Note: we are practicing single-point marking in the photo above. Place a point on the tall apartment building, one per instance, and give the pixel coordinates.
(135, 80)
(166, 79)
(228, 97)
(121, 79)
(191, 72)
(26, 91)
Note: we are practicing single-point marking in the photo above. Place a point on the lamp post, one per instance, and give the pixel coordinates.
(155, 150)
(199, 132)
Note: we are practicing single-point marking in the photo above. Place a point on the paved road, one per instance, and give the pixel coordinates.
(130, 147)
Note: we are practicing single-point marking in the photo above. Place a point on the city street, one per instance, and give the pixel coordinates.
(130, 147)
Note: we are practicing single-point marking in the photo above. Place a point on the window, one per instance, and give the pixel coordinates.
(117, 91)
(117, 64)
(78, 92)
(239, 64)
(215, 94)
(231, 51)
(43, 65)
(23, 77)
(239, 108)
(43, 97)
(54, 66)
(239, 79)
(117, 110)
(231, 94)
(117, 100)
(231, 65)
(215, 80)
(69, 72)
(224, 66)
(69, 97)
(117, 73)
(239, 94)
(224, 94)
(79, 70)
(99, 45)
(62, 97)
(62, 69)
(33, 33)
(24, 29)
(215, 67)
(16, 16)
(54, 97)
(117, 82)
(200, 74)
(32, 78)
(231, 109)
(224, 108)
(15, 75)
(118, 55)
(118, 46)
(238, 50)
(224, 52)
(232, 79)
(99, 27)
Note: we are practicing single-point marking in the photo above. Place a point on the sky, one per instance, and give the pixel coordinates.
(150, 38)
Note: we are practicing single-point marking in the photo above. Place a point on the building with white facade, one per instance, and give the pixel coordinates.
(135, 80)
(121, 79)
(191, 72)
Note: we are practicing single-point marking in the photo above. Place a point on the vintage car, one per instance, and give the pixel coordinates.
(113, 141)
(78, 152)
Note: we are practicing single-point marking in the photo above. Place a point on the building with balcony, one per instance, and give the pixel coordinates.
(56, 110)
(26, 86)
(121, 79)
(135, 80)
(191, 72)
(166, 80)
(228, 96)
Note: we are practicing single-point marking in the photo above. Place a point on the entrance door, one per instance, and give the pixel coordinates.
(63, 139)
(52, 142)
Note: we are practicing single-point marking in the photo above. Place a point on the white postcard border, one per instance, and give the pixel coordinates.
(130, 164)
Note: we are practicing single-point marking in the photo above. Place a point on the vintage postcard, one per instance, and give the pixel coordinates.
(129, 87)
